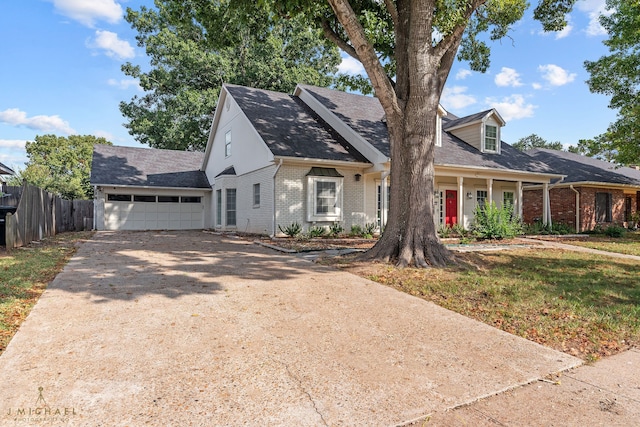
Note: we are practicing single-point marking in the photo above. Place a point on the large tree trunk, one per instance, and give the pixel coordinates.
(410, 236)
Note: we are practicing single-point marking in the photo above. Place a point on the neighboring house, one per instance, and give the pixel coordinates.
(5, 170)
(593, 193)
(321, 156)
(316, 157)
(149, 189)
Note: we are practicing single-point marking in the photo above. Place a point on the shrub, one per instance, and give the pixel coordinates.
(316, 232)
(291, 230)
(356, 230)
(556, 228)
(445, 231)
(335, 229)
(491, 222)
(369, 229)
(615, 231)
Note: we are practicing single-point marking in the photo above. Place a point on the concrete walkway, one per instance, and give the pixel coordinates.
(192, 329)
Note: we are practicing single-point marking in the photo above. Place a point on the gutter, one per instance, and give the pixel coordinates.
(274, 197)
(577, 207)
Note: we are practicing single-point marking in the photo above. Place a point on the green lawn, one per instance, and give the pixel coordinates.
(629, 244)
(582, 304)
(24, 275)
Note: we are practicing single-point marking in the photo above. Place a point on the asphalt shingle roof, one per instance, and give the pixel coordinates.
(5, 170)
(290, 128)
(364, 114)
(586, 169)
(146, 167)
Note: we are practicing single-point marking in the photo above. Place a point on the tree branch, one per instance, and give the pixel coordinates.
(335, 38)
(393, 12)
(368, 57)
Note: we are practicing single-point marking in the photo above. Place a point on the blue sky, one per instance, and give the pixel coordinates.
(61, 61)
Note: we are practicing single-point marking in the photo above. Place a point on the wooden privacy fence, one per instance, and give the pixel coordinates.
(41, 214)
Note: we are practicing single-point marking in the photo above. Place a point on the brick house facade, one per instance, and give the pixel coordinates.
(607, 194)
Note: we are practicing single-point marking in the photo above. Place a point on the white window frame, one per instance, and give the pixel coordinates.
(486, 197)
(485, 137)
(227, 144)
(512, 199)
(228, 210)
(312, 206)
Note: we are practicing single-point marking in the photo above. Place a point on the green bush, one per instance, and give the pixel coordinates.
(335, 229)
(557, 228)
(369, 229)
(615, 231)
(356, 230)
(316, 232)
(491, 222)
(291, 230)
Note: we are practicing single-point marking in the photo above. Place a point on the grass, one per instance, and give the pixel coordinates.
(25, 274)
(629, 244)
(581, 304)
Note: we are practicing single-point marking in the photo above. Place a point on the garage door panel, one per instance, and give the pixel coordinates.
(153, 216)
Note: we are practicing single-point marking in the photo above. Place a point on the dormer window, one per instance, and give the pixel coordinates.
(490, 138)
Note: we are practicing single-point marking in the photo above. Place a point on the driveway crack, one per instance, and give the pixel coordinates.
(303, 389)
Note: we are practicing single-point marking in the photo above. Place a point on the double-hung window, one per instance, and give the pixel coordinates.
(324, 195)
(490, 138)
(481, 198)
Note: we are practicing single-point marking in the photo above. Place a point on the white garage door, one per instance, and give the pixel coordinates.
(144, 212)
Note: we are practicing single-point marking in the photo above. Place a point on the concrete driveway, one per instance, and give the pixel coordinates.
(190, 328)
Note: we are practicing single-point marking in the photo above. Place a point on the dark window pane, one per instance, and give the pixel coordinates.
(147, 199)
(119, 197)
(168, 199)
(190, 199)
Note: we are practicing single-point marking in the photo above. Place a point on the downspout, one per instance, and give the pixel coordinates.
(95, 207)
(577, 208)
(274, 198)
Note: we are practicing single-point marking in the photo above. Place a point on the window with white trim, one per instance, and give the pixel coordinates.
(227, 144)
(256, 195)
(481, 198)
(508, 198)
(230, 207)
(324, 198)
(490, 138)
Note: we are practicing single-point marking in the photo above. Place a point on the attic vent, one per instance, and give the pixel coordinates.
(332, 172)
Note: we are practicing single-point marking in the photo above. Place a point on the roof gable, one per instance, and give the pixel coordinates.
(580, 168)
(290, 128)
(480, 117)
(147, 167)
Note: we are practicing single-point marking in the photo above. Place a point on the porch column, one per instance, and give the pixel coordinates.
(519, 199)
(460, 218)
(545, 203)
(490, 189)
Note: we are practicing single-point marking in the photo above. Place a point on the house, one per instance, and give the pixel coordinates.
(149, 189)
(593, 193)
(321, 156)
(5, 170)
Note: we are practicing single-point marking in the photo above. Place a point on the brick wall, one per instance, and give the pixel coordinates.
(562, 202)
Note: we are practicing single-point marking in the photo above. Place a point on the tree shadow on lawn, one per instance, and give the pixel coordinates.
(590, 280)
(127, 265)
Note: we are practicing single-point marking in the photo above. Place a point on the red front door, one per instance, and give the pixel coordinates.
(451, 208)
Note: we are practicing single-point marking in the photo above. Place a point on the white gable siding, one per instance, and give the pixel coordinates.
(291, 199)
(248, 151)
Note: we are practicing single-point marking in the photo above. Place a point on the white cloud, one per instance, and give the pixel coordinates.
(463, 74)
(124, 83)
(594, 8)
(556, 76)
(112, 45)
(15, 117)
(564, 32)
(512, 107)
(351, 66)
(12, 143)
(536, 86)
(87, 12)
(456, 98)
(508, 77)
